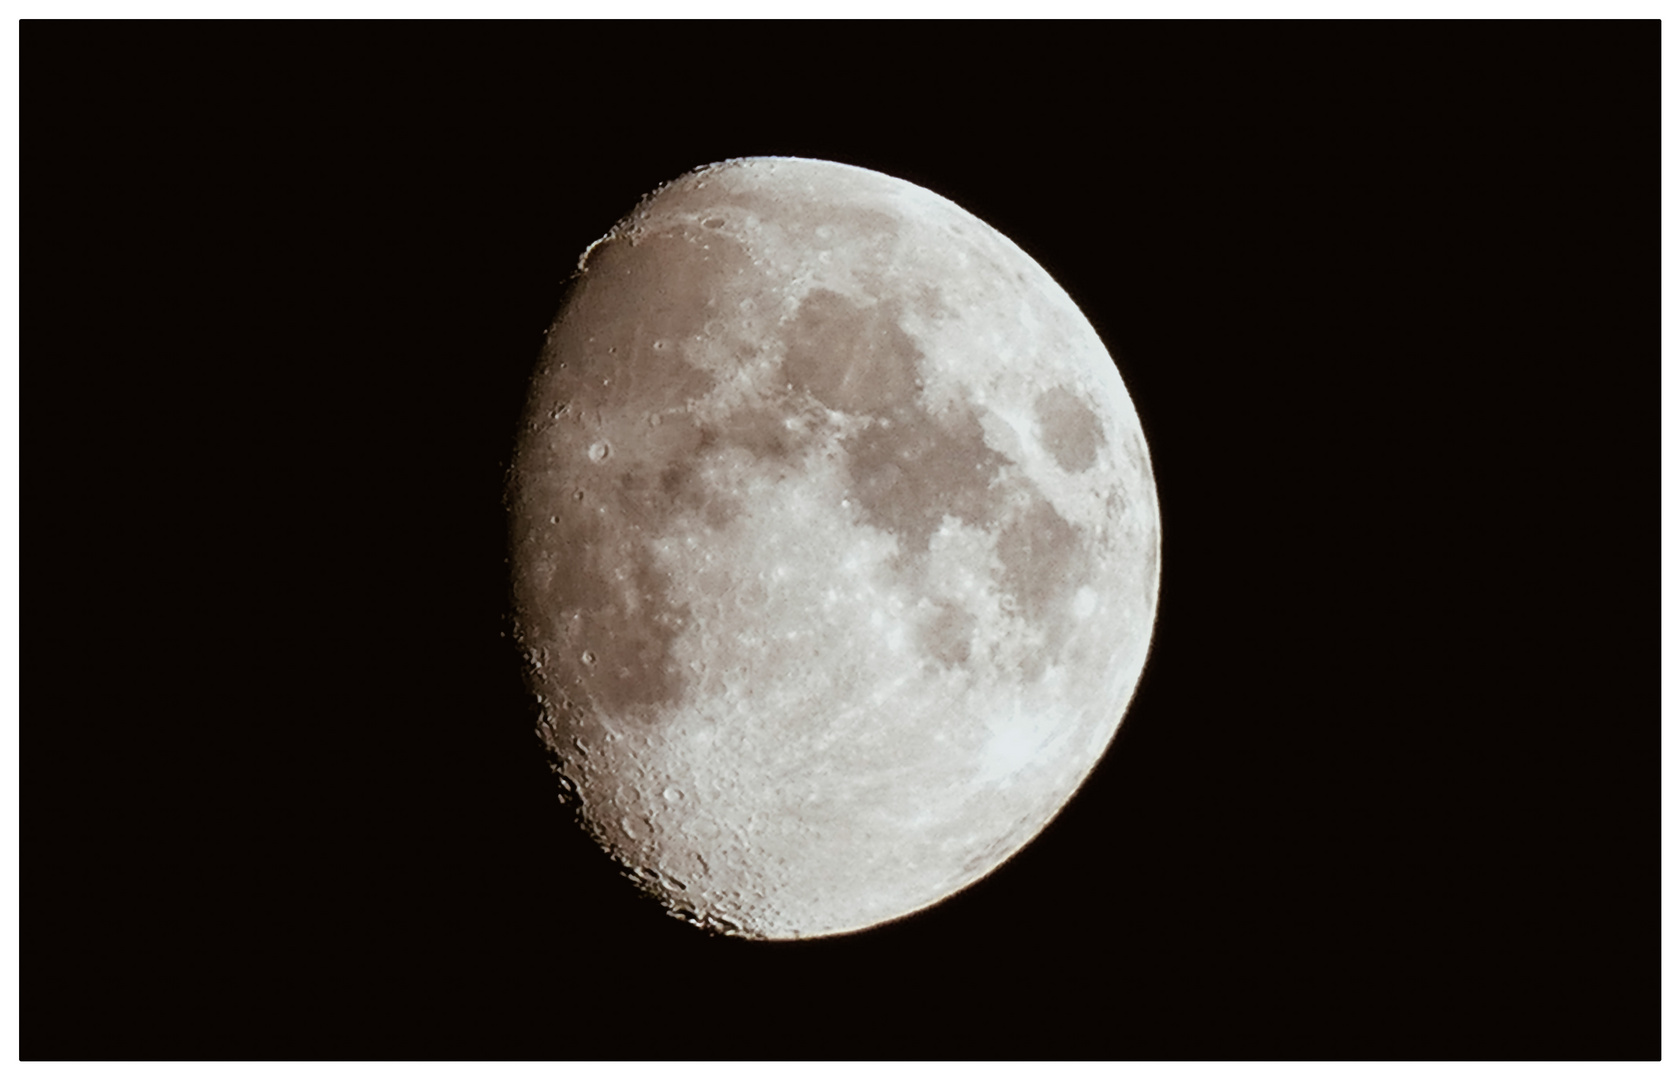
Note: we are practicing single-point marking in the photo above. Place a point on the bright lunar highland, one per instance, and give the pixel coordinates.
(834, 544)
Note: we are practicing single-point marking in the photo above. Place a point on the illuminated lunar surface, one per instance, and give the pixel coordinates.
(834, 545)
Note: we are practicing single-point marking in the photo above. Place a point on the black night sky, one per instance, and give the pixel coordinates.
(1389, 787)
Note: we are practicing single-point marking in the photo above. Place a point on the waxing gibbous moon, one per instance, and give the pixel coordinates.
(834, 545)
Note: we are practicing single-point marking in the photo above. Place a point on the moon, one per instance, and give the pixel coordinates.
(834, 546)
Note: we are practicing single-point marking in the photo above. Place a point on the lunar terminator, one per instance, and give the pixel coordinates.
(835, 547)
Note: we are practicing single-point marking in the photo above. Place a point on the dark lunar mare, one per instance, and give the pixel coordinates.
(910, 468)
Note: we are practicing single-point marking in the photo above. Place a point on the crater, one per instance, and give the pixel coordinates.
(1068, 429)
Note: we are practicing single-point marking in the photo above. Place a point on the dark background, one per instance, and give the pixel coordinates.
(1385, 296)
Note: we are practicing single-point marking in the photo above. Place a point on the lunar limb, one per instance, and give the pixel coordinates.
(834, 543)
